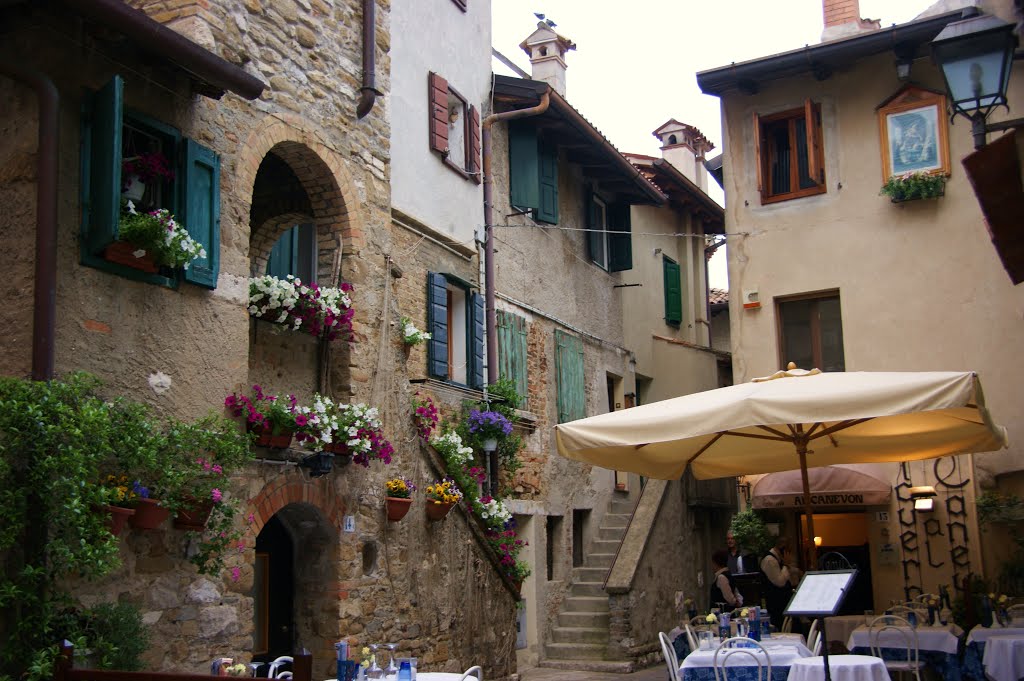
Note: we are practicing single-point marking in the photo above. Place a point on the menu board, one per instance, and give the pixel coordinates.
(820, 594)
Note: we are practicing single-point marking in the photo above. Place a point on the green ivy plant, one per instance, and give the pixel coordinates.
(750, 532)
(914, 186)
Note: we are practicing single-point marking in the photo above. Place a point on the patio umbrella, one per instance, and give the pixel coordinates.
(792, 419)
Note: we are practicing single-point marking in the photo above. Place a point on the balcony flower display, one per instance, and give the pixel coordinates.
(273, 420)
(325, 312)
(154, 237)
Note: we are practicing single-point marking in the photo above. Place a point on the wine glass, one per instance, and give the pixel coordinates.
(374, 671)
(391, 671)
(255, 667)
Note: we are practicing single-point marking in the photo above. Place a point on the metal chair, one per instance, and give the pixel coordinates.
(473, 672)
(905, 638)
(745, 648)
(691, 637)
(670, 655)
(1016, 614)
(814, 638)
(273, 672)
(787, 625)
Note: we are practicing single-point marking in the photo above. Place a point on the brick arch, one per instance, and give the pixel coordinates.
(266, 235)
(280, 493)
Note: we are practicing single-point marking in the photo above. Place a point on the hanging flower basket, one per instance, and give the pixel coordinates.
(149, 515)
(438, 511)
(397, 508)
(118, 517)
(194, 516)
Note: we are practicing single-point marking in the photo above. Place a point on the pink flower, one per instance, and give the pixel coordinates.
(217, 469)
(251, 518)
(216, 495)
(236, 574)
(241, 547)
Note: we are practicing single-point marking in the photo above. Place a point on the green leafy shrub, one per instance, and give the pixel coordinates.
(914, 186)
(750, 532)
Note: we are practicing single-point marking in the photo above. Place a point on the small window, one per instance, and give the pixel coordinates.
(455, 128)
(673, 291)
(455, 316)
(789, 154)
(295, 253)
(572, 404)
(811, 332)
(609, 238)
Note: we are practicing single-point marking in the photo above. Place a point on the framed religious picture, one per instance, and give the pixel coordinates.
(912, 125)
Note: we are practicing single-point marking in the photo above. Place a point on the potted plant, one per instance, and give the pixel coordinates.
(441, 496)
(750, 532)
(140, 171)
(150, 240)
(411, 335)
(119, 500)
(913, 186)
(325, 312)
(424, 415)
(489, 426)
(360, 431)
(149, 512)
(272, 420)
(398, 497)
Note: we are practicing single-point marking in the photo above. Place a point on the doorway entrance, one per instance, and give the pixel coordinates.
(844, 539)
(273, 593)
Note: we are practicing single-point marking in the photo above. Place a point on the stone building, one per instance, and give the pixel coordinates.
(278, 124)
(832, 275)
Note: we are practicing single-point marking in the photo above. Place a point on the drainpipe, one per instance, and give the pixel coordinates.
(485, 139)
(368, 92)
(44, 312)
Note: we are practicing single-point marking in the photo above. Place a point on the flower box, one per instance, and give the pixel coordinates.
(123, 253)
(149, 515)
(396, 508)
(265, 437)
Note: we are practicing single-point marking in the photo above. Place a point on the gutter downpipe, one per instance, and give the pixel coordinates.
(488, 247)
(368, 92)
(44, 311)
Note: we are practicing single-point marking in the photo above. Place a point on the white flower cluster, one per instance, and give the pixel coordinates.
(321, 420)
(179, 249)
(494, 510)
(355, 417)
(410, 334)
(272, 298)
(451, 448)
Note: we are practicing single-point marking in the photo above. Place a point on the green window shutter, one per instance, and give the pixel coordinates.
(202, 211)
(437, 321)
(105, 122)
(476, 338)
(284, 256)
(620, 238)
(673, 293)
(548, 210)
(512, 351)
(594, 235)
(569, 369)
(524, 165)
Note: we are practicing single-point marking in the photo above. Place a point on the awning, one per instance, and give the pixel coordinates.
(830, 486)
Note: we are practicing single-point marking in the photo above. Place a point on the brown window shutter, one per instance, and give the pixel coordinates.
(474, 144)
(757, 155)
(438, 93)
(812, 119)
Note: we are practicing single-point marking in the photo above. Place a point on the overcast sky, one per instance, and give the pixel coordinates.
(635, 63)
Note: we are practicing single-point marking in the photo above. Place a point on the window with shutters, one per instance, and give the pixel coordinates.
(454, 128)
(609, 237)
(455, 317)
(295, 253)
(512, 352)
(673, 291)
(533, 172)
(811, 331)
(572, 402)
(189, 185)
(789, 154)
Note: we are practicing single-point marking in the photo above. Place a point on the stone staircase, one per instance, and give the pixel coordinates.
(580, 639)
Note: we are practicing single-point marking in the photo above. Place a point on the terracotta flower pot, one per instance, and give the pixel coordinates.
(149, 515)
(397, 508)
(436, 511)
(118, 517)
(123, 253)
(193, 517)
(265, 437)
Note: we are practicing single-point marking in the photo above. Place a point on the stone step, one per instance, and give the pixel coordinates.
(586, 604)
(589, 574)
(580, 635)
(615, 520)
(576, 651)
(603, 546)
(622, 506)
(587, 589)
(614, 534)
(602, 666)
(600, 560)
(584, 619)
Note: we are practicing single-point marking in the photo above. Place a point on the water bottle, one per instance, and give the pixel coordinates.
(405, 671)
(912, 619)
(723, 626)
(766, 625)
(755, 624)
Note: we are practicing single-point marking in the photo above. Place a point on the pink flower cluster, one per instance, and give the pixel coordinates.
(263, 410)
(506, 544)
(478, 474)
(425, 416)
(380, 448)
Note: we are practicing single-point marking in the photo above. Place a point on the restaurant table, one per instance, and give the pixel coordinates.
(699, 665)
(1004, 658)
(839, 628)
(938, 647)
(841, 668)
(974, 651)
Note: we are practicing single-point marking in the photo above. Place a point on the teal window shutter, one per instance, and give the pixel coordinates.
(594, 235)
(437, 320)
(569, 370)
(512, 352)
(476, 337)
(284, 256)
(524, 177)
(202, 211)
(103, 208)
(673, 292)
(620, 238)
(548, 210)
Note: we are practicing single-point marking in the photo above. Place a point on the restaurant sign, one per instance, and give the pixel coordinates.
(867, 498)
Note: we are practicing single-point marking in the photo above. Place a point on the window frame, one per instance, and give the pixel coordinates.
(612, 235)
(815, 325)
(440, 347)
(597, 204)
(439, 95)
(763, 153)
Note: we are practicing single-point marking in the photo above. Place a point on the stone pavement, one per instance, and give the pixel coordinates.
(658, 673)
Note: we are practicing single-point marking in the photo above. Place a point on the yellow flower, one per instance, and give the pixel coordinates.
(992, 596)
(744, 612)
(711, 619)
(1003, 598)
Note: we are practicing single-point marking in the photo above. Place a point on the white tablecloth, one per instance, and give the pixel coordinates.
(777, 640)
(781, 656)
(1004, 658)
(841, 668)
(940, 639)
(980, 634)
(839, 628)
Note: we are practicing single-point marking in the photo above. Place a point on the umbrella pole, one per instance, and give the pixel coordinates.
(810, 549)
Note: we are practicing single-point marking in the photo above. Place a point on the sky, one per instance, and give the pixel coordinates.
(635, 63)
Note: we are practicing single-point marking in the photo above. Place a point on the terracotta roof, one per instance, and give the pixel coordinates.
(681, 190)
(718, 296)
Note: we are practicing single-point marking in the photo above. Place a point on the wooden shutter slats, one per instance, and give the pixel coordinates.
(569, 370)
(106, 121)
(813, 149)
(437, 93)
(758, 162)
(202, 211)
(524, 165)
(476, 333)
(620, 237)
(474, 144)
(437, 320)
(512, 352)
(673, 292)
(548, 180)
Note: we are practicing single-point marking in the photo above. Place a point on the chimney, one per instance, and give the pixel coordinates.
(546, 50)
(685, 147)
(842, 19)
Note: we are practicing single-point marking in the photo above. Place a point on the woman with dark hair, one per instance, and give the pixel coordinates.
(778, 588)
(723, 590)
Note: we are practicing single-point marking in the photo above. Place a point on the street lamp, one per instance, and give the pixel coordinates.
(975, 56)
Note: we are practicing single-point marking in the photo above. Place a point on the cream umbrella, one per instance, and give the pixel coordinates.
(792, 419)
